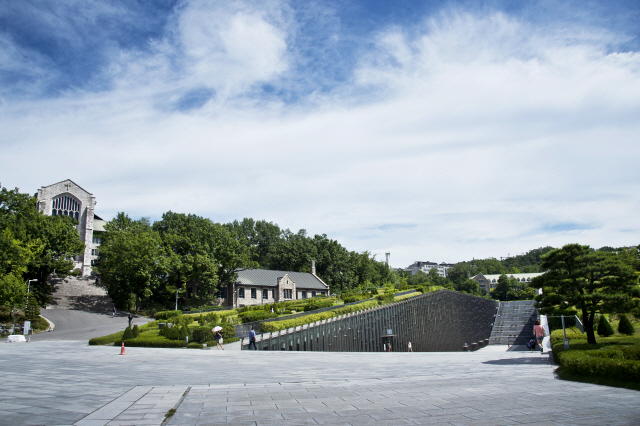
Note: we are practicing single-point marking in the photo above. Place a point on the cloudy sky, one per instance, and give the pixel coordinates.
(439, 130)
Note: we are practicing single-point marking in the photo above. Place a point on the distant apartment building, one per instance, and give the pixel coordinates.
(425, 267)
(489, 281)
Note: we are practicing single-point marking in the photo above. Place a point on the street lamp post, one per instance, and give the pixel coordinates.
(28, 287)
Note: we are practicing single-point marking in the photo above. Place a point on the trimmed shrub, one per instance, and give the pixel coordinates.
(314, 304)
(385, 298)
(167, 314)
(171, 333)
(307, 319)
(251, 316)
(105, 340)
(153, 342)
(202, 335)
(625, 326)
(136, 331)
(600, 363)
(128, 334)
(604, 328)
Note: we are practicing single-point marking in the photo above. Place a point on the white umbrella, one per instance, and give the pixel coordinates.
(216, 328)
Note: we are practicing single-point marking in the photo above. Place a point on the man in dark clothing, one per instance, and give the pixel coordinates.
(252, 339)
(130, 319)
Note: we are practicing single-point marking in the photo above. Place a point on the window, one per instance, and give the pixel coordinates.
(265, 294)
(253, 293)
(241, 293)
(95, 252)
(304, 294)
(222, 293)
(287, 293)
(97, 240)
(313, 294)
(66, 205)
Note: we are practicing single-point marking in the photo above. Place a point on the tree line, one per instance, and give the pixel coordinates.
(32, 246)
(144, 265)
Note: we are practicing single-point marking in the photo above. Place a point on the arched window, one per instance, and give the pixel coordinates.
(66, 205)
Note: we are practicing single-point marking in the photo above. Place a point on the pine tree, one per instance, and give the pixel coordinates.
(128, 334)
(136, 331)
(33, 308)
(604, 328)
(625, 326)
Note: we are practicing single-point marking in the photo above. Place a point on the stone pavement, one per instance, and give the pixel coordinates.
(82, 325)
(65, 383)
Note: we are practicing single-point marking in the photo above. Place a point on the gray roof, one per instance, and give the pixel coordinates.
(268, 278)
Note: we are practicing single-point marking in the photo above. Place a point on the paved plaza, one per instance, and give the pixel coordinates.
(65, 383)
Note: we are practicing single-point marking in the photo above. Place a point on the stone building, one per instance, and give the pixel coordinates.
(261, 286)
(489, 281)
(67, 198)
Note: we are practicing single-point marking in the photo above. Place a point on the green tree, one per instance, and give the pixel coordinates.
(625, 326)
(594, 282)
(133, 262)
(46, 243)
(604, 327)
(191, 243)
(258, 236)
(502, 288)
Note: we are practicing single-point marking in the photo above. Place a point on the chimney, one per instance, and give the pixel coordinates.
(313, 266)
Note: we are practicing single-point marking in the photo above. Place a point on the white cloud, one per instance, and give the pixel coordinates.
(475, 136)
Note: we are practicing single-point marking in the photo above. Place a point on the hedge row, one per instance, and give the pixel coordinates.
(167, 314)
(105, 340)
(307, 319)
(597, 363)
(157, 342)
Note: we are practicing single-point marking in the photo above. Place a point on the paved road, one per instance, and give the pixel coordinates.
(82, 325)
(64, 383)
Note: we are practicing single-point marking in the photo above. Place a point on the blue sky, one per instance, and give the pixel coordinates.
(438, 131)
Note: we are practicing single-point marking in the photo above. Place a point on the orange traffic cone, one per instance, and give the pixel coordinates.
(122, 350)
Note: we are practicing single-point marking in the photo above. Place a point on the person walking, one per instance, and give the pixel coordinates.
(130, 319)
(410, 348)
(252, 339)
(114, 311)
(539, 332)
(219, 340)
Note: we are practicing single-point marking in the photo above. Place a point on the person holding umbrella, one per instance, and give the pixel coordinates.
(218, 337)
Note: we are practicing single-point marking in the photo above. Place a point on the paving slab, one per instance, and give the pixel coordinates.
(63, 383)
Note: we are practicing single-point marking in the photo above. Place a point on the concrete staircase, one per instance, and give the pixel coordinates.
(83, 294)
(514, 323)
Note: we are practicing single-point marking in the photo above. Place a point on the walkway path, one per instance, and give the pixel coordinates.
(64, 383)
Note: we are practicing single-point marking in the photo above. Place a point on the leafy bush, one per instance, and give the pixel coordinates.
(604, 328)
(202, 335)
(136, 330)
(307, 319)
(625, 326)
(314, 304)
(385, 298)
(174, 333)
(105, 340)
(128, 334)
(167, 314)
(251, 316)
